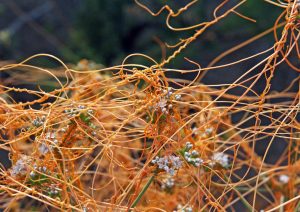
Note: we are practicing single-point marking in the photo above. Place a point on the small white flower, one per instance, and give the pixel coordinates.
(192, 157)
(171, 171)
(168, 163)
(162, 162)
(177, 97)
(188, 146)
(220, 158)
(47, 135)
(20, 167)
(209, 130)
(177, 163)
(168, 183)
(50, 135)
(43, 149)
(170, 92)
(180, 208)
(53, 189)
(284, 178)
(198, 162)
(195, 130)
(155, 160)
(37, 122)
(189, 209)
(195, 153)
(32, 174)
(44, 168)
(162, 103)
(187, 155)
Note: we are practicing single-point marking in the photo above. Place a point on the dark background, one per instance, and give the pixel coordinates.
(106, 31)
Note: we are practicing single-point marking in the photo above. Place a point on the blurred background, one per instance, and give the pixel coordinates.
(105, 31)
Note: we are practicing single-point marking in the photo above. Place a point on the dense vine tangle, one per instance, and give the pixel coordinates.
(291, 28)
(101, 134)
(292, 25)
(124, 138)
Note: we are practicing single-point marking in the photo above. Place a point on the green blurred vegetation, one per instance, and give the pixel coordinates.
(107, 31)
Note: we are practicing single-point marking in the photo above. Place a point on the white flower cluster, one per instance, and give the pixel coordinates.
(168, 183)
(53, 190)
(75, 111)
(169, 92)
(42, 169)
(51, 135)
(192, 156)
(72, 112)
(206, 133)
(209, 130)
(221, 158)
(44, 148)
(39, 121)
(168, 163)
(284, 179)
(20, 167)
(163, 103)
(181, 208)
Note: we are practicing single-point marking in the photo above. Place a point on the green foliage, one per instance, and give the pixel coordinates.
(38, 179)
